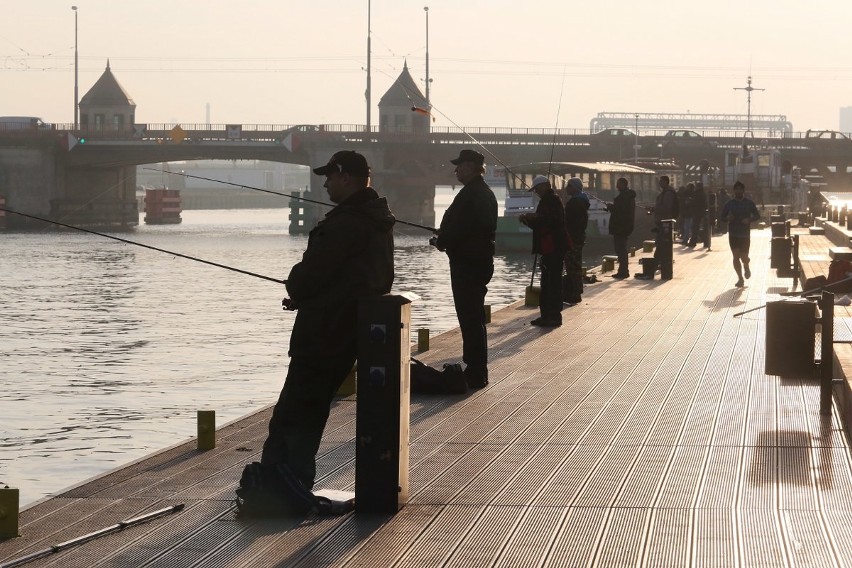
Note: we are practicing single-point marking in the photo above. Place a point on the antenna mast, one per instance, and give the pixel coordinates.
(748, 89)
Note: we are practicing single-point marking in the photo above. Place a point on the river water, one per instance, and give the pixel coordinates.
(107, 350)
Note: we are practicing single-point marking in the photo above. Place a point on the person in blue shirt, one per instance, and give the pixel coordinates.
(739, 213)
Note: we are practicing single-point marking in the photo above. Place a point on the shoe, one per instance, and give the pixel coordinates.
(740, 283)
(576, 300)
(619, 276)
(477, 383)
(747, 271)
(540, 322)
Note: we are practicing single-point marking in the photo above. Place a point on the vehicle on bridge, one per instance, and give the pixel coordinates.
(599, 179)
(23, 123)
(687, 138)
(826, 135)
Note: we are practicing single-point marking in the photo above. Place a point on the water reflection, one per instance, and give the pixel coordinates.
(108, 350)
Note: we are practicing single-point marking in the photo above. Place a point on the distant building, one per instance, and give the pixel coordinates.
(846, 119)
(403, 108)
(107, 106)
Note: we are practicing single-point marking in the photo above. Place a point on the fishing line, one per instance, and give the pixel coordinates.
(129, 242)
(332, 205)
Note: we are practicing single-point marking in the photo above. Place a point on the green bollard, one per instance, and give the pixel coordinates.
(423, 339)
(9, 505)
(206, 429)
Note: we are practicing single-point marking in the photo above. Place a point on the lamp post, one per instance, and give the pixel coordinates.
(428, 104)
(636, 142)
(369, 92)
(76, 73)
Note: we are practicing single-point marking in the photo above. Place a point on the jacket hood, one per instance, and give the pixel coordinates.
(367, 202)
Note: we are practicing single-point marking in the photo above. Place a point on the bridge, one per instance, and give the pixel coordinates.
(88, 175)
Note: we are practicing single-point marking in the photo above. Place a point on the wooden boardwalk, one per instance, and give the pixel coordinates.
(643, 432)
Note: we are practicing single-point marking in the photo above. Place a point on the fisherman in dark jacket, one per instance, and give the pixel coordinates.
(349, 256)
(467, 234)
(550, 240)
(621, 219)
(576, 221)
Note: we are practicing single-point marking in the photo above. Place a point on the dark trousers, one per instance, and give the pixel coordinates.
(469, 280)
(299, 417)
(573, 274)
(550, 299)
(620, 244)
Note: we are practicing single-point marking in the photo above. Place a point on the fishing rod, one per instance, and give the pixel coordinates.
(129, 242)
(120, 526)
(332, 205)
(825, 287)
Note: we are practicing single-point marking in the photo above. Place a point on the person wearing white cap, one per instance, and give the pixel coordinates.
(550, 240)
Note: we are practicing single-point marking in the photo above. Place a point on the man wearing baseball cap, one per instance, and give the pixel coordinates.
(467, 235)
(349, 256)
(550, 240)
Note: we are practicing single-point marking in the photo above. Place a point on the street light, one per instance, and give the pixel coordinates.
(76, 72)
(428, 104)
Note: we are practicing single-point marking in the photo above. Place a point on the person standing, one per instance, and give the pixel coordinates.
(739, 213)
(576, 221)
(550, 240)
(698, 207)
(349, 256)
(684, 206)
(665, 208)
(467, 235)
(722, 200)
(621, 219)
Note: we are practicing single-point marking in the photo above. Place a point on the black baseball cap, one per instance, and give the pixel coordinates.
(345, 162)
(469, 156)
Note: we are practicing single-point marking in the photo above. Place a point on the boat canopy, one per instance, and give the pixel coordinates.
(599, 178)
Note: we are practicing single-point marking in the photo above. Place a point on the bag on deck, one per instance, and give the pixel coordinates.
(428, 380)
(274, 491)
(840, 270)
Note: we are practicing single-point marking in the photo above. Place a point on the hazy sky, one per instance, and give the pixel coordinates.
(522, 63)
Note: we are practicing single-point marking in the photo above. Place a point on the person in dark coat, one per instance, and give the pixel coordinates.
(550, 240)
(621, 220)
(698, 207)
(349, 256)
(467, 235)
(665, 207)
(576, 221)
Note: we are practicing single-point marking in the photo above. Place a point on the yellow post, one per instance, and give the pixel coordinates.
(9, 504)
(487, 314)
(348, 386)
(206, 429)
(532, 295)
(423, 339)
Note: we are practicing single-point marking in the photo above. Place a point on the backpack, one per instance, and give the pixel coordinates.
(428, 380)
(839, 270)
(275, 491)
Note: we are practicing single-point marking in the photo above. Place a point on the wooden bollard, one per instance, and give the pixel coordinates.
(9, 505)
(632, 251)
(206, 429)
(487, 313)
(423, 339)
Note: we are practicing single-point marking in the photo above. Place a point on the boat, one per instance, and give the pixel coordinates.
(599, 179)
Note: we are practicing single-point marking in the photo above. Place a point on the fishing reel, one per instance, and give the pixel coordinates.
(287, 305)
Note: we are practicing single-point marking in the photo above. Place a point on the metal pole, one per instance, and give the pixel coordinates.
(826, 365)
(369, 91)
(428, 104)
(76, 74)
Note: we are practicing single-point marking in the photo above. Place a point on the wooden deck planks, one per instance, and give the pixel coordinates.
(643, 432)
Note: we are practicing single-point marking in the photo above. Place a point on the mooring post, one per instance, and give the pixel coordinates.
(9, 505)
(206, 429)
